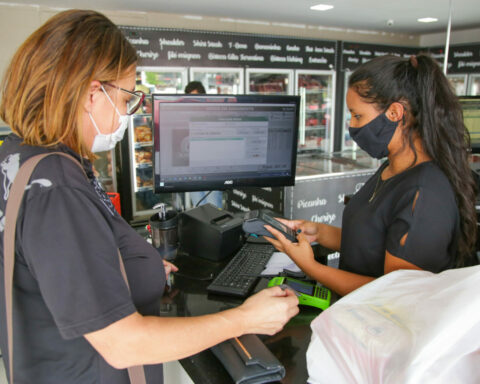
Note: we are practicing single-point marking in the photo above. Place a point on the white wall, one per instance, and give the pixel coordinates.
(17, 22)
(457, 37)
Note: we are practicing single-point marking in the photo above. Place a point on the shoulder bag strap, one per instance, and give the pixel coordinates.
(137, 373)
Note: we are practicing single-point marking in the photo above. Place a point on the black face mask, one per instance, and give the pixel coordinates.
(375, 136)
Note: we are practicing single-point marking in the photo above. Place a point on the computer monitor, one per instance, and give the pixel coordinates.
(471, 118)
(218, 142)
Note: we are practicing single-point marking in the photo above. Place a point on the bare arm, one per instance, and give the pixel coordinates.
(301, 253)
(340, 281)
(329, 236)
(344, 282)
(136, 339)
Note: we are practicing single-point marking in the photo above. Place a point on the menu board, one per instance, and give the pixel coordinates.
(355, 54)
(461, 58)
(322, 199)
(247, 199)
(167, 47)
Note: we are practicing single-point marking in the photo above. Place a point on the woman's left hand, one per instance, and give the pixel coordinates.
(169, 267)
(301, 252)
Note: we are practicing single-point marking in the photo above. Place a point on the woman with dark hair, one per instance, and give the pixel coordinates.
(417, 211)
(70, 88)
(195, 87)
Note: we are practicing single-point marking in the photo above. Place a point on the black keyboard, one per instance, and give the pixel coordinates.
(242, 272)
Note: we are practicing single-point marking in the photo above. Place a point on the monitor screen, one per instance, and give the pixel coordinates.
(471, 118)
(217, 142)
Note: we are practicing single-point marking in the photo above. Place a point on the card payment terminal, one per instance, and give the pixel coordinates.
(308, 293)
(255, 221)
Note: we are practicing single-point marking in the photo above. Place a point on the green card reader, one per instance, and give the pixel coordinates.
(308, 293)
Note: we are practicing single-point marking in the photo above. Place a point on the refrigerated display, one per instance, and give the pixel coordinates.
(140, 148)
(270, 81)
(474, 86)
(135, 166)
(104, 168)
(317, 92)
(347, 142)
(160, 80)
(459, 83)
(163, 80)
(219, 80)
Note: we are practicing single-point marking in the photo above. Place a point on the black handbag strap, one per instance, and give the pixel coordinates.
(17, 190)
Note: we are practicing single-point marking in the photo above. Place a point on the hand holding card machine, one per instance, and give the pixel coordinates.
(255, 221)
(308, 293)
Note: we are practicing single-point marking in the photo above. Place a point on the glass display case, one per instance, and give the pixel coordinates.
(219, 80)
(474, 86)
(324, 182)
(347, 142)
(160, 80)
(317, 92)
(140, 155)
(270, 81)
(459, 83)
(322, 164)
(104, 168)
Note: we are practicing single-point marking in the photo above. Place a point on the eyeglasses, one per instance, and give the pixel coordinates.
(135, 100)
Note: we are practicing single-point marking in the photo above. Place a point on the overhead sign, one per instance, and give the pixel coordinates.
(166, 47)
(461, 58)
(322, 199)
(355, 54)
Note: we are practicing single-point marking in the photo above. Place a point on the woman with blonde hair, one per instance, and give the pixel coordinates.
(69, 89)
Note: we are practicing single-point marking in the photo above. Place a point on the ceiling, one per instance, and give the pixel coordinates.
(365, 15)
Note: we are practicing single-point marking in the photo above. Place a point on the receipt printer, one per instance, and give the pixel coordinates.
(210, 233)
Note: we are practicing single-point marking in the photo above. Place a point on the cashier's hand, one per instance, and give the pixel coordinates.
(169, 267)
(301, 252)
(308, 228)
(268, 311)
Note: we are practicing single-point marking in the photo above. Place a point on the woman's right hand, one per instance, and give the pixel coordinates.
(268, 311)
(308, 228)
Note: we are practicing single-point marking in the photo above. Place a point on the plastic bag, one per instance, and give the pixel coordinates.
(405, 327)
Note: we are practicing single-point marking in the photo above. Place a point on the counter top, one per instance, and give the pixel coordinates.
(188, 297)
(336, 162)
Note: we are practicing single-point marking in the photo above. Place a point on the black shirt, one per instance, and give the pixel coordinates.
(67, 280)
(381, 213)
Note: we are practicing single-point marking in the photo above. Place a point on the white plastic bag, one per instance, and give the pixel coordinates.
(405, 327)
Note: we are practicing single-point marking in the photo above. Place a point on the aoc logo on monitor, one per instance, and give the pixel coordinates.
(228, 182)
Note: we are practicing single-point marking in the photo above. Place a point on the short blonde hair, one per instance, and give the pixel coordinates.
(50, 76)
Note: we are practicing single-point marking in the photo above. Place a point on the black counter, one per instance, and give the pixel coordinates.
(188, 297)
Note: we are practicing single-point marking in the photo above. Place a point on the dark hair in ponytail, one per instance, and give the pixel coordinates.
(434, 114)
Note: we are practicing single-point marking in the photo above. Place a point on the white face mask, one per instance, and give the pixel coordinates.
(105, 142)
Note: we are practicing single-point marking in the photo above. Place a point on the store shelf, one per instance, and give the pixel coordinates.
(144, 165)
(318, 91)
(143, 189)
(315, 128)
(143, 144)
